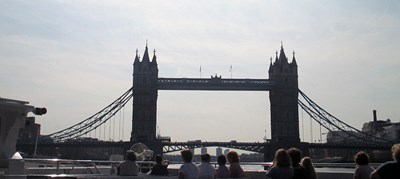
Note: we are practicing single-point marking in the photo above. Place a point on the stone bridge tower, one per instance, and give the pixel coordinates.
(145, 93)
(283, 100)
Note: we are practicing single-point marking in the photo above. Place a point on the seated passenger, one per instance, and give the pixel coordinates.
(129, 167)
(188, 170)
(206, 170)
(281, 168)
(307, 163)
(389, 169)
(363, 169)
(222, 171)
(235, 170)
(159, 168)
(296, 155)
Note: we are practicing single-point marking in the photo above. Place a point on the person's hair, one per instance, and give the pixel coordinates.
(158, 159)
(306, 162)
(282, 158)
(396, 152)
(205, 158)
(295, 155)
(187, 155)
(233, 157)
(221, 160)
(130, 155)
(361, 158)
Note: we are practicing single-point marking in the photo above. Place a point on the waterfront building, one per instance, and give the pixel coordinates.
(382, 128)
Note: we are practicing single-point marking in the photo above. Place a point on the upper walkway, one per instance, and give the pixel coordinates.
(215, 83)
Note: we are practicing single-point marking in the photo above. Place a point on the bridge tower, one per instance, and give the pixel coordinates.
(283, 99)
(145, 93)
(284, 107)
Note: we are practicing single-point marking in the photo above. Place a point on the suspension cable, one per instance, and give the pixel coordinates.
(92, 122)
(331, 123)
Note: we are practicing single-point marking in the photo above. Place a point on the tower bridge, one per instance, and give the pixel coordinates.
(282, 86)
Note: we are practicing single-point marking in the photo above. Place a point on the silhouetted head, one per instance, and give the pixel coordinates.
(186, 155)
(206, 158)
(295, 155)
(130, 155)
(361, 158)
(233, 157)
(306, 162)
(282, 158)
(158, 159)
(221, 160)
(396, 152)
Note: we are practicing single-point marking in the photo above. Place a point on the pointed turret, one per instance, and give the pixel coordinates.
(270, 65)
(154, 65)
(146, 58)
(282, 56)
(154, 60)
(294, 60)
(137, 60)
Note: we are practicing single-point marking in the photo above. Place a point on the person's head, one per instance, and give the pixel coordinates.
(158, 159)
(306, 162)
(361, 158)
(130, 155)
(221, 160)
(282, 158)
(233, 157)
(295, 155)
(396, 152)
(206, 158)
(186, 155)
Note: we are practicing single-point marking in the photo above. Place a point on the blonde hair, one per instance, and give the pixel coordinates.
(396, 152)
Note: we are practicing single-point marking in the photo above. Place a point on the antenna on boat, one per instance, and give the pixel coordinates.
(36, 142)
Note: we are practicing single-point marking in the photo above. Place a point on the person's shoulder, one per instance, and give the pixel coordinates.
(389, 164)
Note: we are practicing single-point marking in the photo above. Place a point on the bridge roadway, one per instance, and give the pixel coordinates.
(260, 147)
(215, 83)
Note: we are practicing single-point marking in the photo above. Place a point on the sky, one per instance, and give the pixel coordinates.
(75, 57)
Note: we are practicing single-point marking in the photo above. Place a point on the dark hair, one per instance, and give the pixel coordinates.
(187, 155)
(282, 158)
(130, 155)
(206, 158)
(221, 160)
(295, 155)
(361, 158)
(233, 157)
(158, 159)
(306, 162)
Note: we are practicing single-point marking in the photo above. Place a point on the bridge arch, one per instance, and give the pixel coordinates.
(246, 146)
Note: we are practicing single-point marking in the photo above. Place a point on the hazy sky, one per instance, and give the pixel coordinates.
(75, 57)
